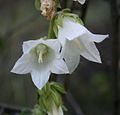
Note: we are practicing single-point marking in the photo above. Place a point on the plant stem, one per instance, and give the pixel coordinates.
(51, 34)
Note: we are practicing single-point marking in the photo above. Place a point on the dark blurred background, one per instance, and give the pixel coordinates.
(94, 87)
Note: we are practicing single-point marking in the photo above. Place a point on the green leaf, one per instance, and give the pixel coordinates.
(37, 4)
(79, 21)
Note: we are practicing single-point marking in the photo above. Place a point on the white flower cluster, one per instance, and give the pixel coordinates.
(60, 56)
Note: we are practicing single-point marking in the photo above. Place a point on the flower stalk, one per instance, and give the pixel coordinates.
(51, 34)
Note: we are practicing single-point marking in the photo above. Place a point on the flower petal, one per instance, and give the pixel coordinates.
(40, 77)
(23, 65)
(54, 44)
(71, 55)
(96, 37)
(89, 50)
(59, 67)
(61, 37)
(70, 29)
(28, 45)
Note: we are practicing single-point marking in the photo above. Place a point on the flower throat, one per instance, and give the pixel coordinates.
(41, 52)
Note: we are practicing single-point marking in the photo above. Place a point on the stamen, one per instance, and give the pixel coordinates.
(41, 52)
(40, 58)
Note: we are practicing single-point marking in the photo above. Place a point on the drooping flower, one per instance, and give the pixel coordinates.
(81, 1)
(56, 110)
(77, 40)
(40, 58)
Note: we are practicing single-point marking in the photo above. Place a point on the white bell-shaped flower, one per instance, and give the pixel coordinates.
(80, 1)
(40, 58)
(77, 40)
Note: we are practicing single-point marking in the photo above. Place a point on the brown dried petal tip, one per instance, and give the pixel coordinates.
(48, 8)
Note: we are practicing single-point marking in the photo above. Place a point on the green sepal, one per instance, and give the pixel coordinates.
(66, 10)
(55, 29)
(58, 87)
(45, 99)
(49, 94)
(46, 103)
(45, 90)
(57, 90)
(56, 98)
(37, 4)
(74, 17)
(59, 20)
(78, 20)
(70, 14)
(65, 13)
